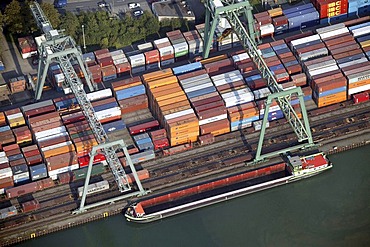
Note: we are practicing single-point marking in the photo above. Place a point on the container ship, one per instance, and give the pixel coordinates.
(205, 194)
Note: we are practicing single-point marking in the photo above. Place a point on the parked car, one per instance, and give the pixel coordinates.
(102, 4)
(138, 13)
(133, 5)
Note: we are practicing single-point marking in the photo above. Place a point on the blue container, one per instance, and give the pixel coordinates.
(364, 11)
(353, 15)
(105, 106)
(15, 157)
(114, 126)
(308, 24)
(38, 172)
(290, 63)
(307, 18)
(267, 51)
(333, 91)
(18, 169)
(281, 29)
(243, 121)
(359, 26)
(130, 92)
(202, 91)
(253, 77)
(146, 146)
(4, 128)
(88, 57)
(186, 68)
(338, 18)
(22, 180)
(300, 13)
(363, 38)
(297, 8)
(314, 42)
(142, 141)
(279, 49)
(348, 59)
(276, 67)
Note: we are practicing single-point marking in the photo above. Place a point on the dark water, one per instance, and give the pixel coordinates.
(331, 209)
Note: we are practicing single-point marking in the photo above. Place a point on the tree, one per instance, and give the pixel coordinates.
(30, 25)
(71, 24)
(13, 19)
(51, 13)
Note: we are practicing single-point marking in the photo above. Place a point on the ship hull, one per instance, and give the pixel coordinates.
(222, 197)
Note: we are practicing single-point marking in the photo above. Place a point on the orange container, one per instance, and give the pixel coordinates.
(157, 75)
(142, 174)
(176, 126)
(359, 84)
(130, 82)
(60, 150)
(2, 119)
(220, 132)
(176, 142)
(172, 100)
(162, 82)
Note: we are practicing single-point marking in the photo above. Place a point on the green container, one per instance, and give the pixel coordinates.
(81, 173)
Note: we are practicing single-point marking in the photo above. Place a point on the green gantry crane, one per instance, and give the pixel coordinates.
(232, 10)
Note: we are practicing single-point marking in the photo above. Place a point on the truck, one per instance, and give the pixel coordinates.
(60, 3)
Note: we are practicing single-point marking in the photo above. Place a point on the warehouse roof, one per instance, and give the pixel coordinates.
(172, 9)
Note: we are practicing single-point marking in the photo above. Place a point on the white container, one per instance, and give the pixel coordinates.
(228, 80)
(358, 89)
(330, 28)
(101, 94)
(243, 126)
(226, 75)
(237, 101)
(361, 60)
(145, 46)
(212, 119)
(2, 154)
(361, 31)
(21, 175)
(116, 52)
(334, 33)
(323, 70)
(63, 169)
(305, 40)
(365, 75)
(194, 79)
(197, 83)
(6, 172)
(261, 93)
(160, 41)
(244, 92)
(258, 124)
(4, 160)
(13, 116)
(112, 112)
(138, 69)
(267, 29)
(137, 60)
(321, 65)
(195, 88)
(179, 114)
(50, 132)
(313, 54)
(118, 56)
(47, 138)
(67, 143)
(168, 50)
(240, 57)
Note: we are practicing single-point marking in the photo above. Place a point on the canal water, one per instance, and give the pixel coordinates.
(331, 209)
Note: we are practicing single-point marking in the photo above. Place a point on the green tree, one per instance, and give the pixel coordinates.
(51, 13)
(30, 25)
(13, 20)
(2, 21)
(104, 43)
(71, 24)
(175, 23)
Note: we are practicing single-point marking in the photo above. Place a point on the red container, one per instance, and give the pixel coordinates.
(45, 183)
(65, 178)
(95, 69)
(331, 8)
(360, 97)
(22, 190)
(233, 85)
(257, 84)
(33, 160)
(123, 67)
(142, 174)
(207, 100)
(151, 56)
(206, 139)
(212, 112)
(30, 206)
(106, 61)
(6, 182)
(11, 147)
(279, 21)
(137, 129)
(161, 143)
(344, 38)
(31, 153)
(101, 51)
(191, 74)
(84, 160)
(209, 106)
(108, 70)
(214, 126)
(158, 134)
(39, 111)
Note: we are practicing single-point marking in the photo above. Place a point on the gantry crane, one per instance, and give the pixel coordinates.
(62, 49)
(232, 10)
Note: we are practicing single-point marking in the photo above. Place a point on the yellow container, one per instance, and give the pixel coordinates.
(275, 12)
(59, 150)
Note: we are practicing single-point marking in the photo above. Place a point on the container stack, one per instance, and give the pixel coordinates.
(121, 63)
(56, 77)
(6, 135)
(362, 34)
(89, 58)
(171, 107)
(61, 163)
(208, 106)
(144, 142)
(166, 51)
(105, 61)
(17, 84)
(274, 63)
(15, 117)
(96, 73)
(21, 174)
(136, 59)
(32, 155)
(6, 174)
(290, 63)
(14, 155)
(195, 43)
(279, 21)
(219, 67)
(302, 16)
(152, 59)
(130, 94)
(235, 94)
(274, 111)
(27, 47)
(179, 44)
(23, 135)
(159, 138)
(309, 48)
(331, 11)
(264, 24)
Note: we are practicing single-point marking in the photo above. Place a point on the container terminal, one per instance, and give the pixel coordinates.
(228, 125)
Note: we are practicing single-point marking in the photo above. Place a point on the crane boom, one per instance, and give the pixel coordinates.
(63, 50)
(231, 10)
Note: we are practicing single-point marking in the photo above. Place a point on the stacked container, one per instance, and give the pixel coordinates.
(302, 16)
(17, 84)
(274, 63)
(130, 94)
(23, 135)
(274, 111)
(152, 59)
(144, 142)
(179, 44)
(6, 173)
(136, 59)
(159, 138)
(20, 174)
(14, 155)
(210, 110)
(195, 43)
(171, 107)
(219, 67)
(331, 10)
(166, 51)
(15, 117)
(56, 77)
(105, 61)
(264, 24)
(27, 47)
(6, 135)
(121, 63)
(32, 155)
(309, 48)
